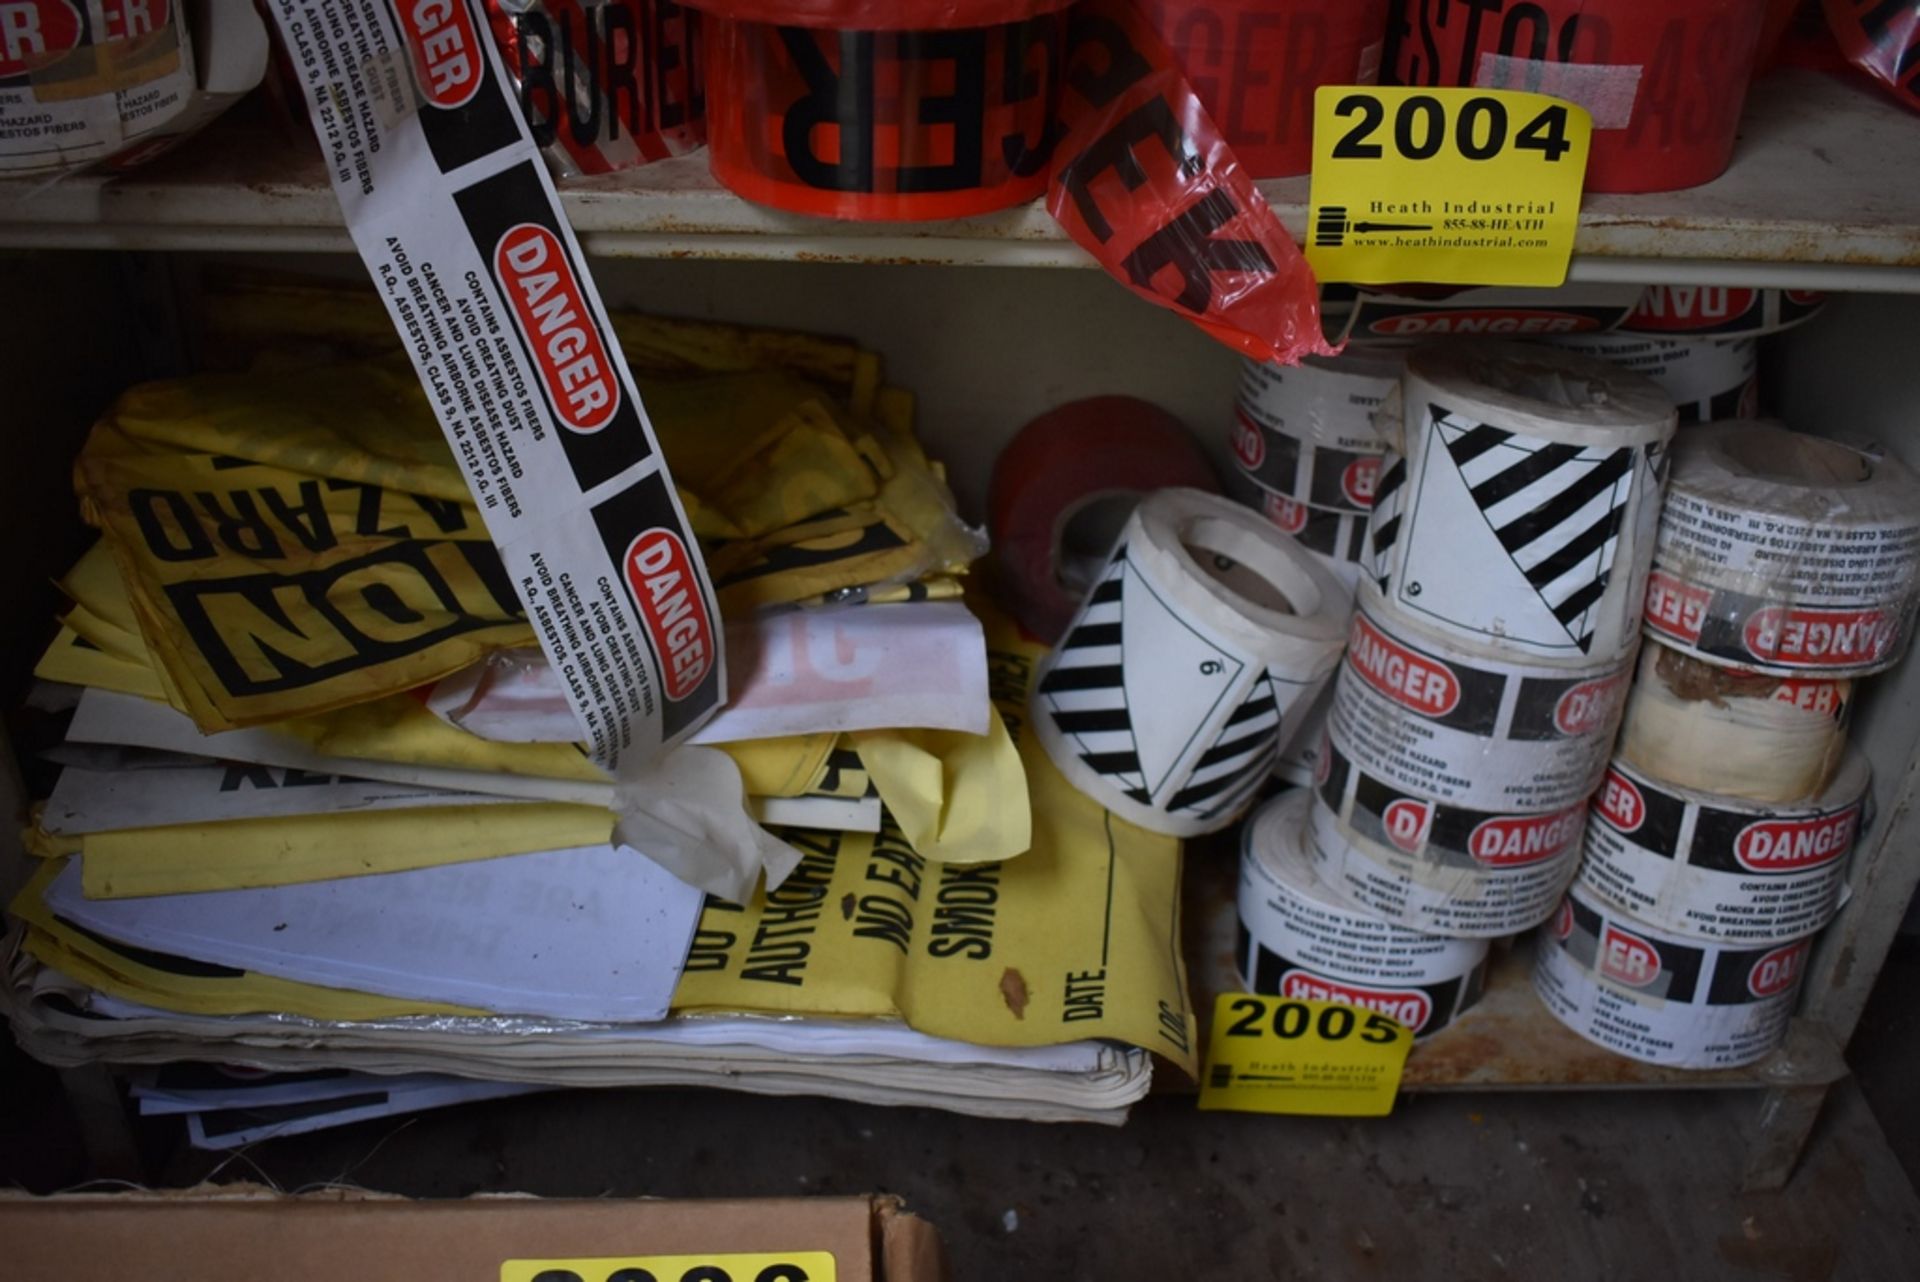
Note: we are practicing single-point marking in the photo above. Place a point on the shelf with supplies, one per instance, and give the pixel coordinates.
(1824, 193)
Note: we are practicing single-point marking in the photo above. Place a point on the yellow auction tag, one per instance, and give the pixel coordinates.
(794, 1266)
(1456, 186)
(1287, 1055)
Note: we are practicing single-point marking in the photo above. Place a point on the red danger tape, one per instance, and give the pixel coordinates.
(947, 121)
(1883, 40)
(1665, 80)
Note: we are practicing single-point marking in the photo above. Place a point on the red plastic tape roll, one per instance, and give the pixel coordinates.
(881, 15)
(604, 84)
(884, 125)
(1883, 40)
(1065, 485)
(1256, 63)
(1664, 79)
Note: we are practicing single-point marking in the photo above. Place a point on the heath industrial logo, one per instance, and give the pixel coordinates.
(1792, 845)
(660, 574)
(447, 57)
(551, 311)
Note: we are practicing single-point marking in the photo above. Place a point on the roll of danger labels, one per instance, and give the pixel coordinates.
(1717, 311)
(1706, 378)
(1622, 985)
(1786, 554)
(1297, 940)
(1307, 432)
(1174, 689)
(1522, 515)
(1429, 866)
(1706, 867)
(1337, 539)
(1471, 731)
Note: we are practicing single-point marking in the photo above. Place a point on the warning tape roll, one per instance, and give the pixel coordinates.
(1176, 686)
(1701, 866)
(1471, 730)
(1786, 554)
(1297, 940)
(1665, 80)
(1705, 378)
(1520, 517)
(1433, 867)
(1307, 431)
(1626, 986)
(1717, 311)
(1732, 733)
(1063, 487)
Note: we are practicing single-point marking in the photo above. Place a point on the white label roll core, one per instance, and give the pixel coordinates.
(1622, 985)
(1706, 378)
(1190, 664)
(1521, 512)
(1467, 729)
(1715, 868)
(1297, 940)
(1786, 553)
(1733, 733)
(1307, 431)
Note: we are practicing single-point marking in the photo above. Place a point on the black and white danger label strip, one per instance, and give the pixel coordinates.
(1307, 432)
(1714, 868)
(1171, 694)
(1338, 538)
(453, 212)
(1699, 311)
(1625, 986)
(1706, 378)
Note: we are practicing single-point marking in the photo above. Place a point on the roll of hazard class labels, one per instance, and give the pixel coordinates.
(1433, 867)
(1296, 939)
(1706, 378)
(1190, 665)
(1521, 516)
(1470, 731)
(1307, 431)
(1715, 868)
(1622, 985)
(1785, 553)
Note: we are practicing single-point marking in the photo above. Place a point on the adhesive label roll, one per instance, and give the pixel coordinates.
(1706, 867)
(1380, 317)
(1299, 762)
(1733, 733)
(1700, 311)
(1623, 985)
(1785, 553)
(1337, 539)
(1307, 431)
(1190, 665)
(1705, 378)
(1471, 731)
(1522, 516)
(1435, 867)
(1298, 940)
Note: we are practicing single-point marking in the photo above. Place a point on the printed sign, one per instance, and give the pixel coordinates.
(758, 1266)
(1307, 1055)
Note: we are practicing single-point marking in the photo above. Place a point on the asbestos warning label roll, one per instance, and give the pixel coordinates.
(1337, 539)
(1706, 378)
(1786, 554)
(1522, 515)
(1715, 868)
(1716, 311)
(1307, 431)
(1429, 866)
(1733, 733)
(1299, 762)
(1623, 985)
(1471, 731)
(1298, 940)
(1190, 665)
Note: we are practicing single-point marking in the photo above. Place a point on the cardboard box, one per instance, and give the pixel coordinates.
(248, 1232)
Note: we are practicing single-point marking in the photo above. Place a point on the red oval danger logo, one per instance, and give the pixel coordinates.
(1823, 699)
(1589, 706)
(1291, 517)
(1249, 443)
(1408, 1006)
(1791, 845)
(1323, 760)
(1409, 678)
(36, 33)
(1513, 841)
(660, 575)
(1778, 971)
(447, 56)
(1818, 638)
(1628, 959)
(1406, 822)
(120, 19)
(1676, 609)
(1620, 803)
(552, 314)
(1677, 309)
(1358, 479)
(1483, 321)
(1563, 920)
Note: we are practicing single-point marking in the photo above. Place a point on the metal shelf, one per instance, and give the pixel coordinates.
(1824, 193)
